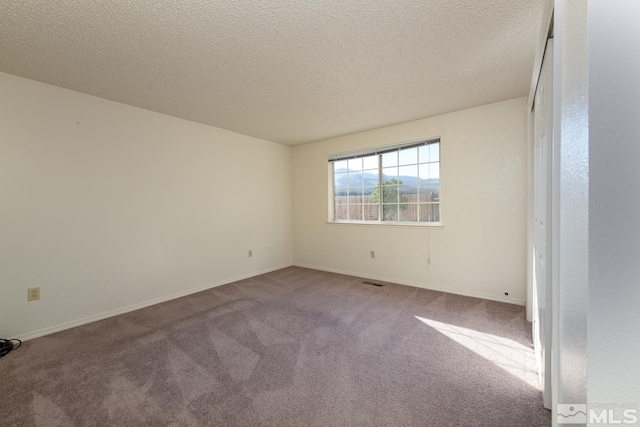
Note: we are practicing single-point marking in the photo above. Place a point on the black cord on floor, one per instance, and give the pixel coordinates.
(7, 345)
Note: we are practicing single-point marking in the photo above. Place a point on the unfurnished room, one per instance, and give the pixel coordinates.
(319, 213)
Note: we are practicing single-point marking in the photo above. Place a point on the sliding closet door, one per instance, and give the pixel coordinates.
(542, 191)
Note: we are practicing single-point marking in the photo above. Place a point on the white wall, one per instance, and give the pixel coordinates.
(481, 250)
(108, 207)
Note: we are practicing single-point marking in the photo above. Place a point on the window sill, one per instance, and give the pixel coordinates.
(434, 225)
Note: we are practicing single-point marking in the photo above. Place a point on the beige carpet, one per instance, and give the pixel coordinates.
(295, 347)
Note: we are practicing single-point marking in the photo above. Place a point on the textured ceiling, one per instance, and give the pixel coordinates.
(286, 71)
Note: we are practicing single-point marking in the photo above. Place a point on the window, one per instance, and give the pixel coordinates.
(389, 184)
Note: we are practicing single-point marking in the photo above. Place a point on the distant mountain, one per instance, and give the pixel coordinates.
(409, 183)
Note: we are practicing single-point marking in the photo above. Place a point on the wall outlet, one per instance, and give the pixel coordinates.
(250, 254)
(373, 254)
(269, 250)
(33, 294)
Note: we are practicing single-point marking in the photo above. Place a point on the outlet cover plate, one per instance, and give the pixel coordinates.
(33, 294)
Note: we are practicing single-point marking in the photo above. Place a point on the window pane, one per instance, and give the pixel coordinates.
(429, 171)
(390, 159)
(355, 179)
(427, 195)
(423, 171)
(340, 166)
(408, 156)
(370, 178)
(389, 173)
(409, 175)
(434, 170)
(367, 191)
(423, 154)
(340, 211)
(430, 212)
(370, 162)
(355, 195)
(371, 212)
(390, 194)
(355, 164)
(429, 191)
(355, 212)
(425, 175)
(340, 180)
(408, 194)
(434, 152)
(408, 212)
(390, 212)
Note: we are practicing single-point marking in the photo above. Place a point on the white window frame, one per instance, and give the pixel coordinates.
(379, 151)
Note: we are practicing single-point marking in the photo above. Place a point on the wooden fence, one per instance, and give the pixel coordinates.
(359, 208)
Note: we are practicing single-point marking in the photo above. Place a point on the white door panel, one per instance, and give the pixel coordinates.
(542, 227)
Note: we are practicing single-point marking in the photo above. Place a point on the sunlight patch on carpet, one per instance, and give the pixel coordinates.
(513, 357)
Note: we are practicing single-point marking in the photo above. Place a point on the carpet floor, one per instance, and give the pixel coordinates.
(295, 347)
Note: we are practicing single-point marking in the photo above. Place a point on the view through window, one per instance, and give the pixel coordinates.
(394, 184)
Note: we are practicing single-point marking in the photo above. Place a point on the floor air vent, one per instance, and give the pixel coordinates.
(366, 282)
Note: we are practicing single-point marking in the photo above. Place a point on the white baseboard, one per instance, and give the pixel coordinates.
(414, 284)
(90, 319)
